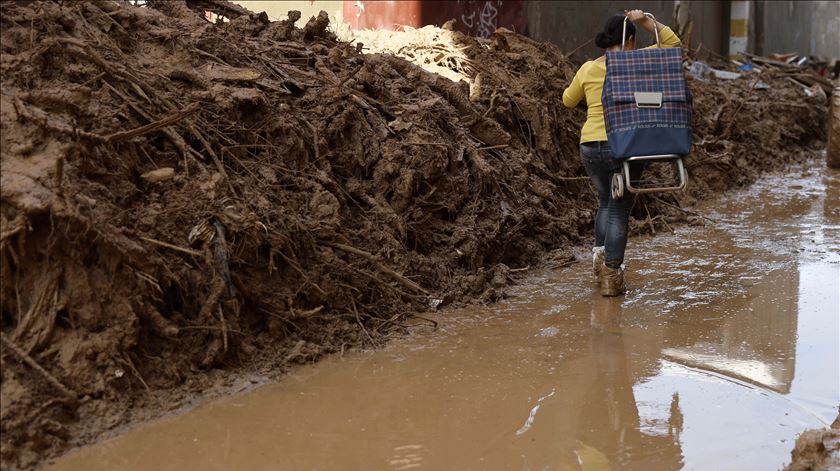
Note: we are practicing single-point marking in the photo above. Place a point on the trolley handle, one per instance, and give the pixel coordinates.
(655, 30)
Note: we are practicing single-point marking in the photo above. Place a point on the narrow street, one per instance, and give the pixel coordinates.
(725, 348)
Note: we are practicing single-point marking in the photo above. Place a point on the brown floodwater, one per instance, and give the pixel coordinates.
(724, 349)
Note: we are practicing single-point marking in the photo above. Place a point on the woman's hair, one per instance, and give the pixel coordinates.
(611, 35)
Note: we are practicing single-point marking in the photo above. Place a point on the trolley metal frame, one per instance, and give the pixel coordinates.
(621, 179)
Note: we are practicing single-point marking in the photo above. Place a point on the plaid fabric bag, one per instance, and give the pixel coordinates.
(647, 106)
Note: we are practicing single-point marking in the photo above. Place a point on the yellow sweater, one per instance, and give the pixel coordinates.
(589, 82)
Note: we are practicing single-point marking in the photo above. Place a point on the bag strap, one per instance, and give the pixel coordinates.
(655, 30)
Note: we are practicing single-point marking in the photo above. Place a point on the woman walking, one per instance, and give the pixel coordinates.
(613, 214)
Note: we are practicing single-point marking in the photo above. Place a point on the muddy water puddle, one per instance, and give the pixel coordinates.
(725, 348)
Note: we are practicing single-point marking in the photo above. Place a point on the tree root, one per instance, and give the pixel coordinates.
(68, 393)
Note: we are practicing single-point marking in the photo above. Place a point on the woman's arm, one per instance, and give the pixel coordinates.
(667, 37)
(639, 19)
(574, 92)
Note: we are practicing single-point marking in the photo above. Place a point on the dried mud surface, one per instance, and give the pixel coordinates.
(184, 203)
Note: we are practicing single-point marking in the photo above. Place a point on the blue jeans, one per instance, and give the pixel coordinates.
(613, 215)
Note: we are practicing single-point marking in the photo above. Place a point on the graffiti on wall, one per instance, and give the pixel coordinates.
(484, 20)
(474, 17)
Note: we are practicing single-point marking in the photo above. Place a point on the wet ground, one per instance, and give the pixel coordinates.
(725, 348)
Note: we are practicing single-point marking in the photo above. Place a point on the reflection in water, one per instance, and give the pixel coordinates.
(755, 343)
(725, 348)
(614, 435)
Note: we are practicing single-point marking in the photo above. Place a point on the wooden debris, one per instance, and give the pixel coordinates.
(388, 271)
(68, 393)
(159, 175)
(833, 148)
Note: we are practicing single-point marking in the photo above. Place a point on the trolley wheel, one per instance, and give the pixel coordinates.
(617, 187)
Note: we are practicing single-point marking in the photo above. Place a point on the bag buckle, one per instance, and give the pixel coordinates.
(648, 99)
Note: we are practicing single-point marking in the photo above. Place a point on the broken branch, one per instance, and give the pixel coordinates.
(372, 258)
(151, 127)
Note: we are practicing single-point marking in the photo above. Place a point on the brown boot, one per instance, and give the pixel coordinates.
(597, 261)
(612, 281)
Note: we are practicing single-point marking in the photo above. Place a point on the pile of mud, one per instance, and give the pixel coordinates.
(742, 127)
(181, 198)
(817, 449)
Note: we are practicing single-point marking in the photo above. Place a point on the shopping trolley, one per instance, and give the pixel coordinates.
(647, 111)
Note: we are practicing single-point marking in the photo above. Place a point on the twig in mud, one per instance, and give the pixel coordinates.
(219, 165)
(385, 322)
(571, 178)
(432, 321)
(171, 246)
(305, 314)
(500, 146)
(565, 264)
(211, 56)
(296, 266)
(351, 75)
(67, 392)
(95, 79)
(649, 221)
(314, 140)
(686, 211)
(359, 321)
(728, 129)
(664, 222)
(425, 144)
(382, 283)
(151, 127)
(146, 277)
(372, 259)
(287, 322)
(224, 330)
(220, 254)
(127, 360)
(176, 138)
(210, 327)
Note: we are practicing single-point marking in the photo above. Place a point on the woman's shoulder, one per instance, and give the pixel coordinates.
(594, 64)
(589, 64)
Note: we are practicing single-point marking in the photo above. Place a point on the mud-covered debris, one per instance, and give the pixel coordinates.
(159, 175)
(291, 142)
(817, 450)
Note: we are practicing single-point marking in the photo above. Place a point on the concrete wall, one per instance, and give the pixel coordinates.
(825, 29)
(711, 25)
(571, 24)
(787, 27)
(800, 26)
(806, 27)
